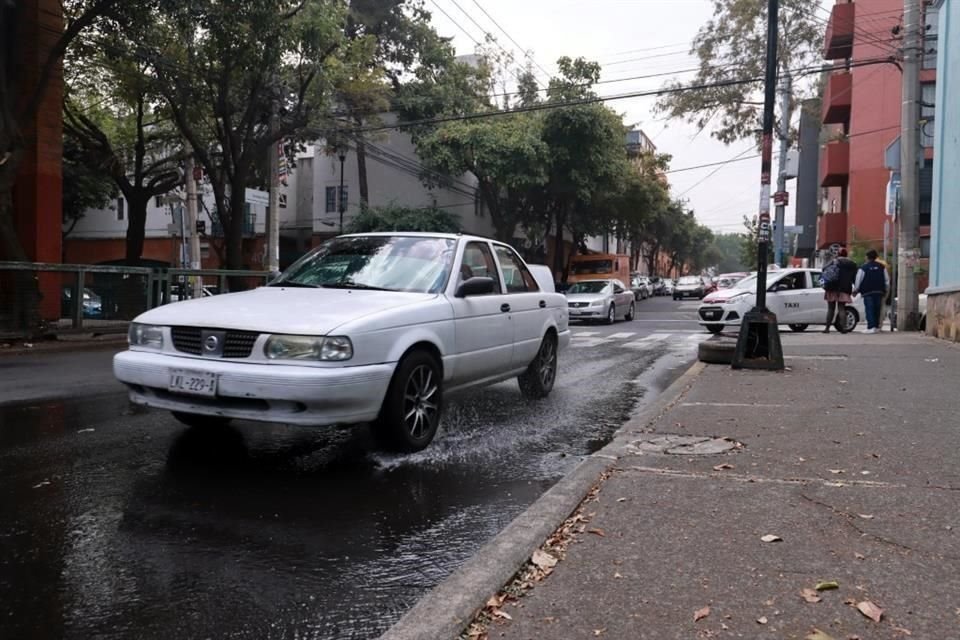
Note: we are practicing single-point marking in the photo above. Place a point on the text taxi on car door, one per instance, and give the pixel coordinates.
(794, 295)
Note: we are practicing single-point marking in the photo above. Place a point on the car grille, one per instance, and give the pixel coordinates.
(711, 313)
(578, 305)
(237, 344)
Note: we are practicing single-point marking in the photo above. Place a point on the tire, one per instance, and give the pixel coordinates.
(198, 421)
(411, 410)
(629, 316)
(714, 328)
(851, 320)
(799, 328)
(612, 314)
(537, 381)
(716, 351)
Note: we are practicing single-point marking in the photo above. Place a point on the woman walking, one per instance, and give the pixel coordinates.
(838, 277)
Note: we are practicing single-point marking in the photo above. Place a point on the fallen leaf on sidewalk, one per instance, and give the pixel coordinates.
(597, 532)
(621, 499)
(762, 620)
(599, 632)
(543, 559)
(866, 516)
(905, 632)
(723, 467)
(771, 538)
(502, 614)
(859, 556)
(870, 610)
(617, 575)
(837, 471)
(819, 635)
(700, 614)
(826, 585)
(495, 601)
(810, 595)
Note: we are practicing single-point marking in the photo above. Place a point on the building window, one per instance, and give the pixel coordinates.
(331, 194)
(157, 202)
(928, 96)
(926, 193)
(121, 203)
(930, 39)
(925, 247)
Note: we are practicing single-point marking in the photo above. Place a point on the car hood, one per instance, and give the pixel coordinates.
(586, 297)
(723, 295)
(281, 309)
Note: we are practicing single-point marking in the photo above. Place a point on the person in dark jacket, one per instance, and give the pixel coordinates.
(838, 289)
(872, 283)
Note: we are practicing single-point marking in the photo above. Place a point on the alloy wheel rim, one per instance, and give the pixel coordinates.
(548, 363)
(612, 314)
(419, 401)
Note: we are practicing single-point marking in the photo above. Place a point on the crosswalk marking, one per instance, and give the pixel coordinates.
(577, 334)
(677, 341)
(621, 336)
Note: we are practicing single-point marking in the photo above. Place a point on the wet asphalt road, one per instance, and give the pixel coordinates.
(119, 523)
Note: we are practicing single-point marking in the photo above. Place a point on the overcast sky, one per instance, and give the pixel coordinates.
(629, 38)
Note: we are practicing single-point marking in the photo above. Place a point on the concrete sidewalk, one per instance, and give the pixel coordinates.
(850, 458)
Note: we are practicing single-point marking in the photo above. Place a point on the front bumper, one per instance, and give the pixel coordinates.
(688, 293)
(587, 313)
(289, 394)
(719, 314)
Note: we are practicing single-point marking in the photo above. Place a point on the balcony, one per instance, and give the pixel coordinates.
(837, 98)
(835, 164)
(831, 229)
(839, 39)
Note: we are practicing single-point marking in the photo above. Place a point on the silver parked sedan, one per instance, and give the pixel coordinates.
(605, 300)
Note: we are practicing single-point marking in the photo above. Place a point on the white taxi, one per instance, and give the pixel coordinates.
(366, 328)
(794, 295)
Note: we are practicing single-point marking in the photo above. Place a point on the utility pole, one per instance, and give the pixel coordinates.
(758, 345)
(191, 222)
(786, 89)
(271, 258)
(909, 218)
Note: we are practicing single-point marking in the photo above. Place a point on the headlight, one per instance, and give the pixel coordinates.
(737, 298)
(145, 335)
(596, 303)
(332, 348)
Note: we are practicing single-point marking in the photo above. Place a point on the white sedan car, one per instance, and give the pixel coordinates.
(366, 328)
(794, 295)
(603, 300)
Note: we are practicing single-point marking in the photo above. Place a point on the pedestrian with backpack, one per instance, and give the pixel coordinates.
(838, 277)
(872, 283)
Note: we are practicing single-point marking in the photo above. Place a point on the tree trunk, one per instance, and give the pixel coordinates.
(362, 170)
(24, 296)
(136, 226)
(559, 261)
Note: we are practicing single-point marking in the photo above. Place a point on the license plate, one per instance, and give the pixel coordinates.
(198, 383)
(711, 315)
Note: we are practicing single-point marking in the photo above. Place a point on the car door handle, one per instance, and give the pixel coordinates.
(543, 303)
(505, 307)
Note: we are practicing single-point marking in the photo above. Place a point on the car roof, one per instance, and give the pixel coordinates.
(420, 234)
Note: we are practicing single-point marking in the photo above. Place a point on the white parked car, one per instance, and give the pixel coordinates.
(794, 295)
(366, 328)
(604, 300)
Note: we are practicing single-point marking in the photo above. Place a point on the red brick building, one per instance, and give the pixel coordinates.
(861, 120)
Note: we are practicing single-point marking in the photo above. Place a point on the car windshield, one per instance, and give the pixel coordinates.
(594, 286)
(581, 267)
(746, 284)
(689, 280)
(388, 263)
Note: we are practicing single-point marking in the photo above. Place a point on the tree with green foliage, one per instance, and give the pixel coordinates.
(732, 46)
(729, 248)
(750, 244)
(239, 77)
(85, 185)
(398, 218)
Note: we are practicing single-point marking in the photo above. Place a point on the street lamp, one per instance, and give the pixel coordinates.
(342, 154)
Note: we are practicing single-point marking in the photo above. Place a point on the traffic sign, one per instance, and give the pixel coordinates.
(781, 197)
(201, 226)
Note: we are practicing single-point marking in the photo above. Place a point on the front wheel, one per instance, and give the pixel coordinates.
(849, 321)
(410, 414)
(629, 316)
(537, 381)
(714, 328)
(799, 328)
(198, 421)
(612, 314)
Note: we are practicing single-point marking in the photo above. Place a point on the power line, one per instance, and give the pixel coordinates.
(509, 37)
(736, 158)
(713, 164)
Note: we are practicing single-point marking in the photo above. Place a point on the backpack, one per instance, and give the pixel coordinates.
(831, 273)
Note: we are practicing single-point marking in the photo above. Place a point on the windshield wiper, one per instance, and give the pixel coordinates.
(292, 283)
(353, 285)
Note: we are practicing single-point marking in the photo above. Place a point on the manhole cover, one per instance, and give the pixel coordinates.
(685, 445)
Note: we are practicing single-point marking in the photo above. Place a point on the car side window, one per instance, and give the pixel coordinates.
(517, 277)
(618, 287)
(816, 279)
(478, 263)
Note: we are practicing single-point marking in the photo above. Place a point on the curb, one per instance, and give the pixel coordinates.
(449, 607)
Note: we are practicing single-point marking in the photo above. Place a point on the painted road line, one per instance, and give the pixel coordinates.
(577, 334)
(579, 343)
(649, 342)
(622, 336)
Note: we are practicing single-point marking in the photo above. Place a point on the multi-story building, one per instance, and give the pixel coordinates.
(861, 125)
(943, 305)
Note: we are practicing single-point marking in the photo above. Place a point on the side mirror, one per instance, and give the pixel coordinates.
(476, 286)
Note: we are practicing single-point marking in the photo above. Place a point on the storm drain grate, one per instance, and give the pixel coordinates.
(685, 445)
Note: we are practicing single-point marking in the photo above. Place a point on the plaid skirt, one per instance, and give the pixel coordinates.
(837, 296)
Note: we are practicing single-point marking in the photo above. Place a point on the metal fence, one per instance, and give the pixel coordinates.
(55, 298)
